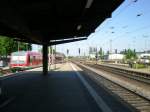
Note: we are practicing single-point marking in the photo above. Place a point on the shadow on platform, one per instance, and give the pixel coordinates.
(60, 91)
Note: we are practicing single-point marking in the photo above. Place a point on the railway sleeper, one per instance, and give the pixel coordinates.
(141, 104)
(135, 101)
(132, 99)
(144, 108)
(127, 72)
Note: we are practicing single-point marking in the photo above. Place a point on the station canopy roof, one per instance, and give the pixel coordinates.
(43, 21)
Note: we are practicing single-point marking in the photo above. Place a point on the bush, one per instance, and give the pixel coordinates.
(16, 69)
(138, 66)
(1, 74)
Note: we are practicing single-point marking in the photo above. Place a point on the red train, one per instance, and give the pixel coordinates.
(25, 59)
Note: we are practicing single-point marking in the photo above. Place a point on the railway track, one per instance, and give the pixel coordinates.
(139, 76)
(138, 102)
(8, 71)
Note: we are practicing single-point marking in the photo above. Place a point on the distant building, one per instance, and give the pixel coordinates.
(92, 56)
(141, 53)
(113, 57)
(56, 58)
(92, 52)
(144, 57)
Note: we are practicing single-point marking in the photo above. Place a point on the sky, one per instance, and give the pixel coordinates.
(129, 27)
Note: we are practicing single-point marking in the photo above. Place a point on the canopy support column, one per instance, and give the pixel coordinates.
(45, 59)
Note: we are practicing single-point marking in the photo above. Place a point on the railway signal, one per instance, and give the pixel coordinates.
(67, 53)
(116, 51)
(79, 51)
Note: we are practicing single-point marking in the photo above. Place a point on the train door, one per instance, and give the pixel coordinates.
(30, 60)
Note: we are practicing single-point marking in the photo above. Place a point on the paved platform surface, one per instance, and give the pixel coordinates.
(60, 91)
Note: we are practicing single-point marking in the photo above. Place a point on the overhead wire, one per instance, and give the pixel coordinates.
(132, 32)
(132, 1)
(124, 9)
(114, 18)
(135, 31)
(138, 29)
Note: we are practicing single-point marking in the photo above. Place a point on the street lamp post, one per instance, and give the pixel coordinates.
(67, 54)
(55, 56)
(110, 46)
(49, 56)
(79, 54)
(96, 55)
(145, 36)
(18, 46)
(27, 46)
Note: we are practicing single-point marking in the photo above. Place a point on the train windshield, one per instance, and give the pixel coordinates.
(21, 53)
(18, 58)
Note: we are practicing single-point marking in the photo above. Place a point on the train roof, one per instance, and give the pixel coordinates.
(25, 52)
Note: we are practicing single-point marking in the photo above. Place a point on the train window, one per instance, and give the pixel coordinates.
(17, 62)
(13, 62)
(22, 53)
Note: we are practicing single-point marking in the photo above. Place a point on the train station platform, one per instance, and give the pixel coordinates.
(62, 90)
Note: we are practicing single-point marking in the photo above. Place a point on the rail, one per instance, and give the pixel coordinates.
(136, 75)
(140, 103)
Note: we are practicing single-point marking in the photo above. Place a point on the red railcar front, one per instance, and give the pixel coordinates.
(25, 59)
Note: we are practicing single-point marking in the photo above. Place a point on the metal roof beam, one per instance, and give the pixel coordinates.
(67, 41)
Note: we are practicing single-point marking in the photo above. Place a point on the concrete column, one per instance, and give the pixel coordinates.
(0, 88)
(45, 59)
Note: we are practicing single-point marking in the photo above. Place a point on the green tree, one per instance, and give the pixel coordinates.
(130, 54)
(8, 45)
(24, 46)
(101, 53)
